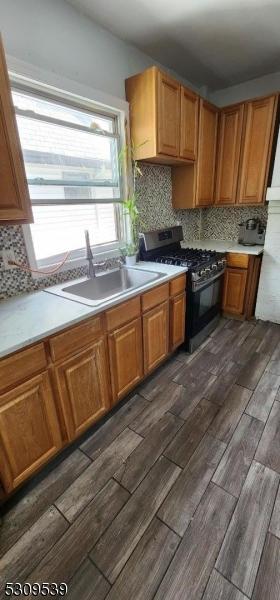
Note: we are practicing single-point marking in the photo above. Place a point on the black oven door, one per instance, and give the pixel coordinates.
(204, 305)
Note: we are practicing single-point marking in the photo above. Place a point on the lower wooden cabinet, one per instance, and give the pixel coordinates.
(29, 430)
(126, 362)
(177, 321)
(84, 388)
(155, 336)
(234, 291)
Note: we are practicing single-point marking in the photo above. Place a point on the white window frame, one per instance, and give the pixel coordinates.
(26, 76)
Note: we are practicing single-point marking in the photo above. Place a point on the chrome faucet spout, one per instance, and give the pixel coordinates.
(89, 257)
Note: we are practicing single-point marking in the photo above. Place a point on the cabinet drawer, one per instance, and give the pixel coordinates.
(21, 366)
(127, 311)
(234, 259)
(71, 340)
(178, 285)
(155, 297)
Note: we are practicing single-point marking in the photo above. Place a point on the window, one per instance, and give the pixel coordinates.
(71, 162)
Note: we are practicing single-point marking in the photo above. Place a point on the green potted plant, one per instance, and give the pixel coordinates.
(129, 205)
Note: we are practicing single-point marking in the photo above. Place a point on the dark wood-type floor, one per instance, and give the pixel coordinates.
(176, 496)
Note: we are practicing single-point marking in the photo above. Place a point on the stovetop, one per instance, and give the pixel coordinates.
(187, 257)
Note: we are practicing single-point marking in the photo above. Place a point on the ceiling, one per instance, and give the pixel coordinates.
(216, 43)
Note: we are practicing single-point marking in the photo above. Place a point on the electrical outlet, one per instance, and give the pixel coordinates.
(6, 256)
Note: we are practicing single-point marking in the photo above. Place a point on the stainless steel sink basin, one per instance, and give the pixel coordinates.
(106, 286)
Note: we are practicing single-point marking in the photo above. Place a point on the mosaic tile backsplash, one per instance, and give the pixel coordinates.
(155, 208)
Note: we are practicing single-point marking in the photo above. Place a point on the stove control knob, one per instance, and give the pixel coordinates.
(214, 267)
(224, 262)
(202, 272)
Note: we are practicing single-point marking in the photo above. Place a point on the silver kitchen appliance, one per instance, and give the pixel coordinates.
(251, 233)
(205, 270)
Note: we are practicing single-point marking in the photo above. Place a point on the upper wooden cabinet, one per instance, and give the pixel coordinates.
(260, 118)
(189, 124)
(168, 115)
(15, 204)
(163, 118)
(193, 184)
(228, 153)
(207, 143)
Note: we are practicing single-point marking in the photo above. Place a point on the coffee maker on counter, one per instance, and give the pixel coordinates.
(251, 233)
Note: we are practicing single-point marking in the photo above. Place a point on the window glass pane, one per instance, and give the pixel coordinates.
(58, 229)
(62, 111)
(51, 151)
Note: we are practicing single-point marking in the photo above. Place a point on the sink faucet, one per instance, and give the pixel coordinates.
(89, 256)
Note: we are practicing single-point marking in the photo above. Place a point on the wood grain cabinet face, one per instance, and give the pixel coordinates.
(228, 154)
(234, 291)
(207, 143)
(84, 388)
(168, 116)
(15, 206)
(29, 430)
(155, 336)
(189, 124)
(256, 150)
(177, 321)
(126, 362)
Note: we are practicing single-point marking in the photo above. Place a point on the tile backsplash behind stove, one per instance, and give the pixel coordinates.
(155, 209)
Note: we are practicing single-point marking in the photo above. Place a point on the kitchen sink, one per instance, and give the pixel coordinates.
(106, 286)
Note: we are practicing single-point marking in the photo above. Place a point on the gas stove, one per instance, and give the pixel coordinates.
(202, 264)
(205, 269)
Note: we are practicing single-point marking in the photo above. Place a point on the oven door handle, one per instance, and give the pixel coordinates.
(196, 287)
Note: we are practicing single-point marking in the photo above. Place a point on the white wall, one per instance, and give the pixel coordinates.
(53, 36)
(250, 89)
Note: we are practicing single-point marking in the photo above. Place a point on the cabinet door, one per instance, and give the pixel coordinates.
(189, 124)
(155, 335)
(14, 196)
(207, 142)
(168, 118)
(126, 362)
(256, 150)
(29, 430)
(234, 291)
(177, 320)
(83, 384)
(229, 147)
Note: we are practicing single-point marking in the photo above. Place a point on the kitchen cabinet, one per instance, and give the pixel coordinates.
(155, 336)
(15, 206)
(241, 284)
(29, 430)
(207, 143)
(228, 154)
(168, 115)
(193, 184)
(234, 291)
(177, 321)
(126, 358)
(83, 387)
(163, 118)
(189, 124)
(260, 116)
(55, 390)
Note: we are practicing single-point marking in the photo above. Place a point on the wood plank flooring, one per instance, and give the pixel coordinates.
(176, 495)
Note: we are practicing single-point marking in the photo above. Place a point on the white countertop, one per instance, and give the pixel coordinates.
(223, 246)
(27, 319)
